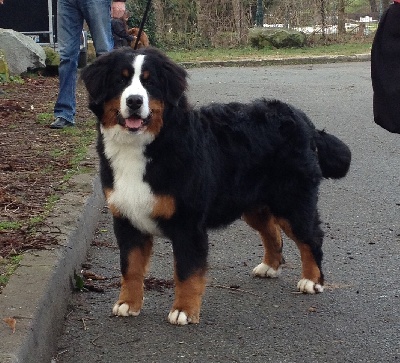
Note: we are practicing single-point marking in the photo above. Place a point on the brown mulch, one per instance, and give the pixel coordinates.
(34, 160)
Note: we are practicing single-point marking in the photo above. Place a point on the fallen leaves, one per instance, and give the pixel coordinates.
(33, 162)
(312, 309)
(11, 322)
(84, 281)
(92, 276)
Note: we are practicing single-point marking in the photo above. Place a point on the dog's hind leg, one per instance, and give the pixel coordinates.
(310, 248)
(190, 255)
(135, 253)
(268, 228)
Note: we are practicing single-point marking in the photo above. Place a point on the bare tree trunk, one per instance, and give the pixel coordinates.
(323, 17)
(341, 17)
(260, 13)
(385, 5)
(160, 19)
(374, 9)
(202, 18)
(238, 16)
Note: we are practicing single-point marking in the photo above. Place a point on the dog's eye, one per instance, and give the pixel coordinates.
(124, 76)
(145, 77)
(123, 80)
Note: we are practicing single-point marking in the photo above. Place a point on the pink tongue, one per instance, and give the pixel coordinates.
(133, 123)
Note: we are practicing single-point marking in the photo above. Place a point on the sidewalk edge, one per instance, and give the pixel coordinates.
(38, 293)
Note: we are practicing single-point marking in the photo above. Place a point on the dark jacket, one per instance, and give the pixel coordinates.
(385, 70)
(120, 34)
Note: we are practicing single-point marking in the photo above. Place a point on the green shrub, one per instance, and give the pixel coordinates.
(4, 73)
(276, 38)
(52, 57)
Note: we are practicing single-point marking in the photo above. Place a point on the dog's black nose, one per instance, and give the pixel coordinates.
(134, 102)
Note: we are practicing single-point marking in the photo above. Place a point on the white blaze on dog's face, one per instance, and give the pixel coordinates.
(134, 103)
(139, 110)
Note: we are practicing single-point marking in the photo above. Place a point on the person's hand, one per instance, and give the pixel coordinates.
(1, 2)
(117, 9)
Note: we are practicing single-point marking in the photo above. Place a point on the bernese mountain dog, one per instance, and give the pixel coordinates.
(171, 170)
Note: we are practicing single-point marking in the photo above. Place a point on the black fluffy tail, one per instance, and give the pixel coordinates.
(334, 155)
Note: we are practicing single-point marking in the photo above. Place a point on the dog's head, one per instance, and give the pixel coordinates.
(143, 41)
(130, 90)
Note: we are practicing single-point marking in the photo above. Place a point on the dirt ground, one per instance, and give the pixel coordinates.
(34, 160)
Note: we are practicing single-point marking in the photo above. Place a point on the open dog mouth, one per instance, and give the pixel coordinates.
(134, 123)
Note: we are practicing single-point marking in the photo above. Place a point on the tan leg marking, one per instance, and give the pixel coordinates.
(188, 296)
(164, 207)
(310, 269)
(132, 282)
(270, 233)
(113, 209)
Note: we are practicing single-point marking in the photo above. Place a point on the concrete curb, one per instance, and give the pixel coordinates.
(279, 61)
(37, 295)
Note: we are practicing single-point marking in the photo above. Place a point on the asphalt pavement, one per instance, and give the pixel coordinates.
(244, 319)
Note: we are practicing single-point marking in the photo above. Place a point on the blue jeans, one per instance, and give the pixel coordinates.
(70, 17)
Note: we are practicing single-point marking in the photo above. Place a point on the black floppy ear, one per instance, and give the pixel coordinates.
(175, 81)
(173, 76)
(95, 77)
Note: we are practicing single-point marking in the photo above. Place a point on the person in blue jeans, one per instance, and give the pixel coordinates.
(71, 15)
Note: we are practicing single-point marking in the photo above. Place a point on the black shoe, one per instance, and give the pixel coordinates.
(60, 123)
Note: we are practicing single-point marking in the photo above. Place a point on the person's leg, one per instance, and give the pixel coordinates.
(69, 28)
(97, 14)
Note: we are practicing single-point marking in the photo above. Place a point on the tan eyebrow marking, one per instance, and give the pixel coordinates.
(125, 73)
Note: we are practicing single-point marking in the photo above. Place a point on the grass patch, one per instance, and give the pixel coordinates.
(57, 153)
(33, 221)
(6, 225)
(48, 207)
(7, 268)
(14, 79)
(44, 118)
(83, 138)
(210, 54)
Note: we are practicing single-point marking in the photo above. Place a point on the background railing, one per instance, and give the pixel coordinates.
(226, 23)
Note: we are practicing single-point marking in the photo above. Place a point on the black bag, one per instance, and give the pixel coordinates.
(385, 70)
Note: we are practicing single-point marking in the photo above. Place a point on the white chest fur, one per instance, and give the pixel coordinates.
(131, 195)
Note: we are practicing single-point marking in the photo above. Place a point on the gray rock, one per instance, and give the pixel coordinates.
(21, 52)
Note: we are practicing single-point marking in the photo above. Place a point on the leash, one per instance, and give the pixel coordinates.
(142, 24)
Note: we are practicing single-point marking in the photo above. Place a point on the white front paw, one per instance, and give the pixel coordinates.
(178, 317)
(123, 309)
(264, 270)
(309, 287)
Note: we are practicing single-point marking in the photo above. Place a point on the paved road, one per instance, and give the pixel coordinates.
(357, 318)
